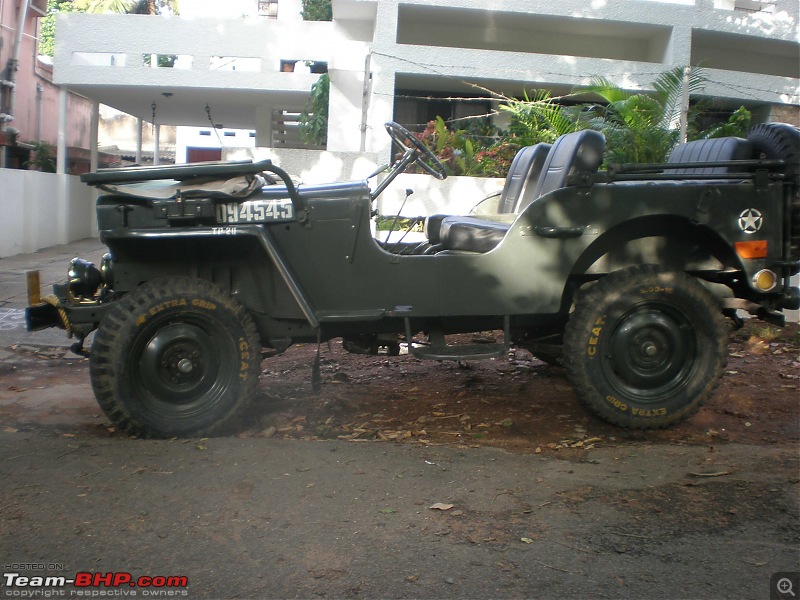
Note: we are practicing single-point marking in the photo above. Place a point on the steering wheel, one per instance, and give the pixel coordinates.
(425, 158)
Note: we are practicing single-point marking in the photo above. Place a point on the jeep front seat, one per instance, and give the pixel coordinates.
(581, 151)
(523, 176)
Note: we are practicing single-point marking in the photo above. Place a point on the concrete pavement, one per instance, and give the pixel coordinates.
(52, 263)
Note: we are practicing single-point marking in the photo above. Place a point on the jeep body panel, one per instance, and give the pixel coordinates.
(562, 234)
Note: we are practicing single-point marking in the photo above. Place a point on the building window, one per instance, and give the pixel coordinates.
(751, 6)
(268, 8)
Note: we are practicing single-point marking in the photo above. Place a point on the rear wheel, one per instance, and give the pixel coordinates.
(175, 357)
(645, 347)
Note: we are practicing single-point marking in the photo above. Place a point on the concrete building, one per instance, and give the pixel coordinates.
(29, 99)
(407, 59)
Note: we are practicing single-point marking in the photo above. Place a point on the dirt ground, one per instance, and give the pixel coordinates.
(521, 404)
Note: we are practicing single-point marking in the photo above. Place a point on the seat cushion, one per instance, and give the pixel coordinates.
(580, 151)
(522, 178)
(471, 233)
(713, 150)
(433, 228)
(523, 175)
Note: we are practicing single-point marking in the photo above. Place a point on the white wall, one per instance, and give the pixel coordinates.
(453, 196)
(43, 209)
(311, 166)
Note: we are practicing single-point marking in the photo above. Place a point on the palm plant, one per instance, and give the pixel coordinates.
(538, 118)
(641, 127)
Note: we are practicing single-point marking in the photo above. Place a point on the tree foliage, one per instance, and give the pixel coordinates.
(133, 7)
(47, 24)
(43, 158)
(317, 10)
(314, 118)
(640, 127)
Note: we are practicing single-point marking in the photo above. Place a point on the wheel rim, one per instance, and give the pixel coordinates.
(651, 353)
(181, 367)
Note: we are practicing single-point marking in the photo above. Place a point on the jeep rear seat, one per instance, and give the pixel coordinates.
(581, 151)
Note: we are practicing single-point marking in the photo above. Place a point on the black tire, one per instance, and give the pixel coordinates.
(175, 358)
(777, 141)
(780, 141)
(645, 347)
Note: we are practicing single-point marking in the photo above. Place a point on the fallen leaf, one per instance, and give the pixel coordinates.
(715, 474)
(525, 540)
(388, 511)
(442, 506)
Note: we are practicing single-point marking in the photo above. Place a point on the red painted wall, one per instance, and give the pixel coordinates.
(32, 72)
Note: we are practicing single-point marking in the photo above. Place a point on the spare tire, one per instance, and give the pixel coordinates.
(781, 141)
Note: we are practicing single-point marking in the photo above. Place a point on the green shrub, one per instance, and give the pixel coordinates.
(317, 10)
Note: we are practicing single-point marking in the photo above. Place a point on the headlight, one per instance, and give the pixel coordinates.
(106, 270)
(83, 278)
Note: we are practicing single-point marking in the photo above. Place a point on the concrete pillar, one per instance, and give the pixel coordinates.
(264, 126)
(156, 144)
(94, 128)
(380, 111)
(139, 141)
(345, 115)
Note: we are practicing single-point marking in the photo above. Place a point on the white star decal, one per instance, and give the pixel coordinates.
(750, 220)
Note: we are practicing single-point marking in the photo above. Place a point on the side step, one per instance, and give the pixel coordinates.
(438, 350)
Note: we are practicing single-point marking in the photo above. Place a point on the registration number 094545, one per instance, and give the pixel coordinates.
(255, 211)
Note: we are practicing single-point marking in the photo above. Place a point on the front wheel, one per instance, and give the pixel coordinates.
(175, 357)
(645, 347)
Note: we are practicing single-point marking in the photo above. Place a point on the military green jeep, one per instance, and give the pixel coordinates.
(624, 276)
